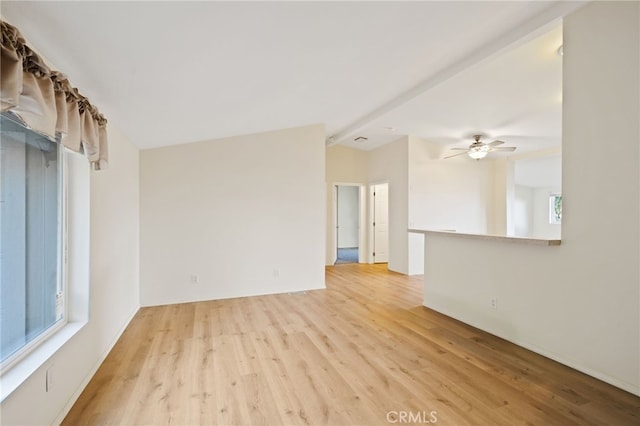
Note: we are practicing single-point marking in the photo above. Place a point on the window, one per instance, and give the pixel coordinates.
(32, 297)
(555, 209)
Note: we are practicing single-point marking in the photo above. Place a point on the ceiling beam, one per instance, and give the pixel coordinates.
(518, 35)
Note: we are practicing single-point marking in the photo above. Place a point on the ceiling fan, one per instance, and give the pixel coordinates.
(478, 150)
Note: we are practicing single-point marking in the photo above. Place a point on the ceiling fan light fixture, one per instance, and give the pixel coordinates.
(477, 154)
(479, 151)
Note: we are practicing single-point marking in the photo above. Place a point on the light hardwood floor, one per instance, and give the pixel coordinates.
(362, 352)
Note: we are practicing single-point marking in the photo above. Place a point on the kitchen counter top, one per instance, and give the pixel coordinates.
(488, 237)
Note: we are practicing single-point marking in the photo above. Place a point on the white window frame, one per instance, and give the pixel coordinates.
(61, 280)
(76, 225)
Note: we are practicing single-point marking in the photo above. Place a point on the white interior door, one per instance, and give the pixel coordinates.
(381, 223)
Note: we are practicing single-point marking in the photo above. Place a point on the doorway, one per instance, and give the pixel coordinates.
(347, 223)
(380, 222)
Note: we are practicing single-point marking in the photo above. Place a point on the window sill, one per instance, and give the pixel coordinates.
(19, 373)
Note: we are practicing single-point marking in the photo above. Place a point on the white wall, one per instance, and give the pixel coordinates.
(114, 292)
(453, 194)
(503, 195)
(537, 175)
(386, 164)
(389, 163)
(531, 213)
(343, 165)
(541, 226)
(246, 215)
(578, 303)
(348, 216)
(523, 211)
(456, 193)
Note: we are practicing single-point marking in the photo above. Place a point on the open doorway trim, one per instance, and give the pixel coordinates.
(361, 221)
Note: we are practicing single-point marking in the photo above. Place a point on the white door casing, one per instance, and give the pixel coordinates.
(363, 241)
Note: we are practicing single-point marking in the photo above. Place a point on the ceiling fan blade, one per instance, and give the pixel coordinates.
(495, 143)
(505, 148)
(455, 155)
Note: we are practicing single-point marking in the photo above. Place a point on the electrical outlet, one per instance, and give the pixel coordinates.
(195, 279)
(493, 303)
(276, 273)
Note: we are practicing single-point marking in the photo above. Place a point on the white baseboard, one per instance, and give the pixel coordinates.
(93, 371)
(628, 387)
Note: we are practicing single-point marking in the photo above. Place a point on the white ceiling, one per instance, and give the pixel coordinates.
(515, 97)
(177, 72)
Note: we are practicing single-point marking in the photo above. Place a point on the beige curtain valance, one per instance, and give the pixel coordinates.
(46, 102)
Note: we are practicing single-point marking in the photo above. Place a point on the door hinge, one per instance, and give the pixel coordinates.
(374, 224)
(374, 254)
